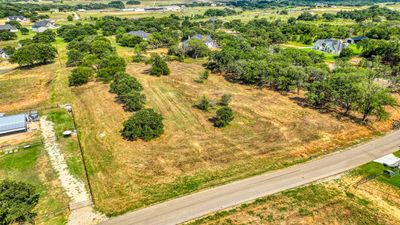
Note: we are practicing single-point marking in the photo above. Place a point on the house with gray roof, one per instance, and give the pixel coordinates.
(12, 124)
(206, 39)
(142, 34)
(8, 27)
(332, 46)
(16, 18)
(44, 25)
(355, 40)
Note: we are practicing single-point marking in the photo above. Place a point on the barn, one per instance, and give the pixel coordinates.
(12, 124)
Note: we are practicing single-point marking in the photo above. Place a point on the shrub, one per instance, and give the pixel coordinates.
(223, 117)
(204, 103)
(346, 53)
(24, 31)
(145, 124)
(125, 84)
(158, 66)
(80, 75)
(225, 99)
(203, 76)
(133, 101)
(70, 18)
(17, 202)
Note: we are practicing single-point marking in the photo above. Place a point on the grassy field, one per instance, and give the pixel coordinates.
(32, 165)
(352, 198)
(325, 203)
(270, 131)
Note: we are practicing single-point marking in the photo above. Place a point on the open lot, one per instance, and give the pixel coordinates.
(270, 131)
(356, 197)
(334, 202)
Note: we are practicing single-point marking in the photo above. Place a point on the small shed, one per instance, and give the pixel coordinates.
(389, 160)
(12, 124)
(34, 115)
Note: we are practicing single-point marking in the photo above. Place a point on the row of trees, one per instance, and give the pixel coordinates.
(95, 55)
(294, 70)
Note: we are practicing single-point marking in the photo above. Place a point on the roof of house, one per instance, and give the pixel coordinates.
(2, 51)
(139, 33)
(7, 27)
(12, 123)
(16, 17)
(389, 160)
(205, 38)
(359, 38)
(335, 44)
(42, 23)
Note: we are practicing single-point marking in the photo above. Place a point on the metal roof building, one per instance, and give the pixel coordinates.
(14, 123)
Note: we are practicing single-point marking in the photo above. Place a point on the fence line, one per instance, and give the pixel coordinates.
(83, 158)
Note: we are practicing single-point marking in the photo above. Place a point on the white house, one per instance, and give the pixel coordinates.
(207, 40)
(332, 46)
(172, 8)
(144, 35)
(44, 25)
(16, 18)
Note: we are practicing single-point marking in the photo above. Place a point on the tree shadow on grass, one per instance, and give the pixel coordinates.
(329, 110)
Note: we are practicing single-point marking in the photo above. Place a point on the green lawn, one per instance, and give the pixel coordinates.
(32, 166)
(69, 145)
(356, 49)
(374, 169)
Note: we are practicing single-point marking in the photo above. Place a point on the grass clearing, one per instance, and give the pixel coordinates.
(33, 166)
(270, 131)
(313, 204)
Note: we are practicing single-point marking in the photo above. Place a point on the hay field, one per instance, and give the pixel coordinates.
(270, 131)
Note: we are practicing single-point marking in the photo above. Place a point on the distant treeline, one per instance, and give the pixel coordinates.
(282, 3)
(27, 9)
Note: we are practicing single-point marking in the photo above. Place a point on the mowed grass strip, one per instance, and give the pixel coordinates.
(270, 131)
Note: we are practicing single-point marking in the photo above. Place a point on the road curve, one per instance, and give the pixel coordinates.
(201, 203)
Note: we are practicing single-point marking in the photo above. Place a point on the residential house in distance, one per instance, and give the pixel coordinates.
(16, 18)
(172, 8)
(3, 54)
(144, 35)
(355, 40)
(8, 27)
(332, 46)
(44, 25)
(207, 40)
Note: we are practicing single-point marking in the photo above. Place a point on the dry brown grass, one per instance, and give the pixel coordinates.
(327, 203)
(23, 88)
(270, 131)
